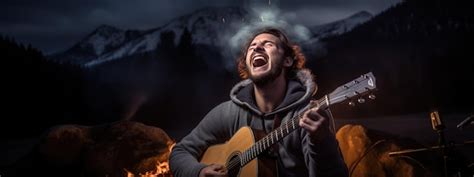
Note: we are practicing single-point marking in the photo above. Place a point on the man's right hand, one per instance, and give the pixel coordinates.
(213, 170)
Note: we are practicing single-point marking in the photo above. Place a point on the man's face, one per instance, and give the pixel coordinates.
(265, 58)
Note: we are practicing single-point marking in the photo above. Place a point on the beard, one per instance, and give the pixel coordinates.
(270, 76)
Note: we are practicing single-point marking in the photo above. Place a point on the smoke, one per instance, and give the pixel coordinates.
(262, 16)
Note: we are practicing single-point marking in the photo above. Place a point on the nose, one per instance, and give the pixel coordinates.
(258, 47)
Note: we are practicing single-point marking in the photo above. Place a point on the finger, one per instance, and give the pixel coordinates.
(312, 124)
(215, 173)
(309, 121)
(215, 170)
(221, 169)
(217, 167)
(308, 124)
(314, 114)
(304, 125)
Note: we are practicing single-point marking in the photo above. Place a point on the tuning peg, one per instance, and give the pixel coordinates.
(351, 103)
(372, 96)
(361, 100)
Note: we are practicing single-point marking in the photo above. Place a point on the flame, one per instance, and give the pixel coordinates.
(162, 168)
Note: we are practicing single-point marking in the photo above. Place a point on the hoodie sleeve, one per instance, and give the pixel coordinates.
(324, 158)
(212, 129)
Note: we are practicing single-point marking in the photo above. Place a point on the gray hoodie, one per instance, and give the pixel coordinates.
(297, 156)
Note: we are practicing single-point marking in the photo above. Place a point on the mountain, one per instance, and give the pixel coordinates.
(208, 26)
(340, 26)
(417, 49)
(102, 40)
(211, 28)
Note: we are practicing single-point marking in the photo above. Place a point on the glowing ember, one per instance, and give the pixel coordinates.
(162, 168)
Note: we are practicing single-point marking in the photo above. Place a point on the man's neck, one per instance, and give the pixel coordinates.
(269, 96)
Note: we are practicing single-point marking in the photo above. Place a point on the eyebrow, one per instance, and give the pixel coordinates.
(265, 41)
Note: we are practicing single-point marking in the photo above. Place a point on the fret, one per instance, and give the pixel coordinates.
(281, 130)
(287, 129)
(271, 137)
(256, 151)
(258, 147)
(253, 152)
(293, 123)
(267, 141)
(249, 153)
(247, 156)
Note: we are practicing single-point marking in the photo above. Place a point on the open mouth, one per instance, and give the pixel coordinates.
(259, 60)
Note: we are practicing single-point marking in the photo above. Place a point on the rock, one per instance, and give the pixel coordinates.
(64, 144)
(107, 150)
(366, 154)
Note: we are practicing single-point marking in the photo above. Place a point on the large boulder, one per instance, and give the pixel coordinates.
(366, 154)
(106, 150)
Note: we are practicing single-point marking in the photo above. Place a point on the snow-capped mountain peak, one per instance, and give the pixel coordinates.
(211, 26)
(207, 26)
(103, 37)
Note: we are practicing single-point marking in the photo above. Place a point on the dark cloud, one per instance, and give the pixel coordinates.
(53, 25)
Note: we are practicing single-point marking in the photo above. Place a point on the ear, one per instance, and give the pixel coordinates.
(288, 62)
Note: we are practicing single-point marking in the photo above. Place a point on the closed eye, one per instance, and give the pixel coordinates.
(270, 44)
(252, 46)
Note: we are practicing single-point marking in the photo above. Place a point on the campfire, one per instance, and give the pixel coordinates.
(119, 149)
(162, 168)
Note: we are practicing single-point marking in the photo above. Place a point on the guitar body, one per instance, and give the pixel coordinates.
(243, 139)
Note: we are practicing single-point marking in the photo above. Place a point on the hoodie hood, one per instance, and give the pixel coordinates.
(299, 90)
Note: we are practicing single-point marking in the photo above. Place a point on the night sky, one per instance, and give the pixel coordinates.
(55, 25)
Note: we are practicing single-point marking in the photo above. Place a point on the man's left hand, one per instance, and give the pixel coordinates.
(315, 124)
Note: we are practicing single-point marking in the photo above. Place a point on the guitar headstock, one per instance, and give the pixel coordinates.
(356, 89)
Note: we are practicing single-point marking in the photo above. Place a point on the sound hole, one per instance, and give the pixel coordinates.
(233, 165)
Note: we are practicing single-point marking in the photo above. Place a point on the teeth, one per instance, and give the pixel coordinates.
(259, 57)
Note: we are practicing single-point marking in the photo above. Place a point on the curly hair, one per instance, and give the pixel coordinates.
(290, 50)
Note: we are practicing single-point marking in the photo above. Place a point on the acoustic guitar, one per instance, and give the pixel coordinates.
(243, 156)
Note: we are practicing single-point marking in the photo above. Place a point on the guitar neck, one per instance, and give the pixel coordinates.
(279, 133)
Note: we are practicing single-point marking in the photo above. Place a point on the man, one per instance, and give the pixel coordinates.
(275, 88)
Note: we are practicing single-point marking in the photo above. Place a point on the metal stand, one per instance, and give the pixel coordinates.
(446, 149)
